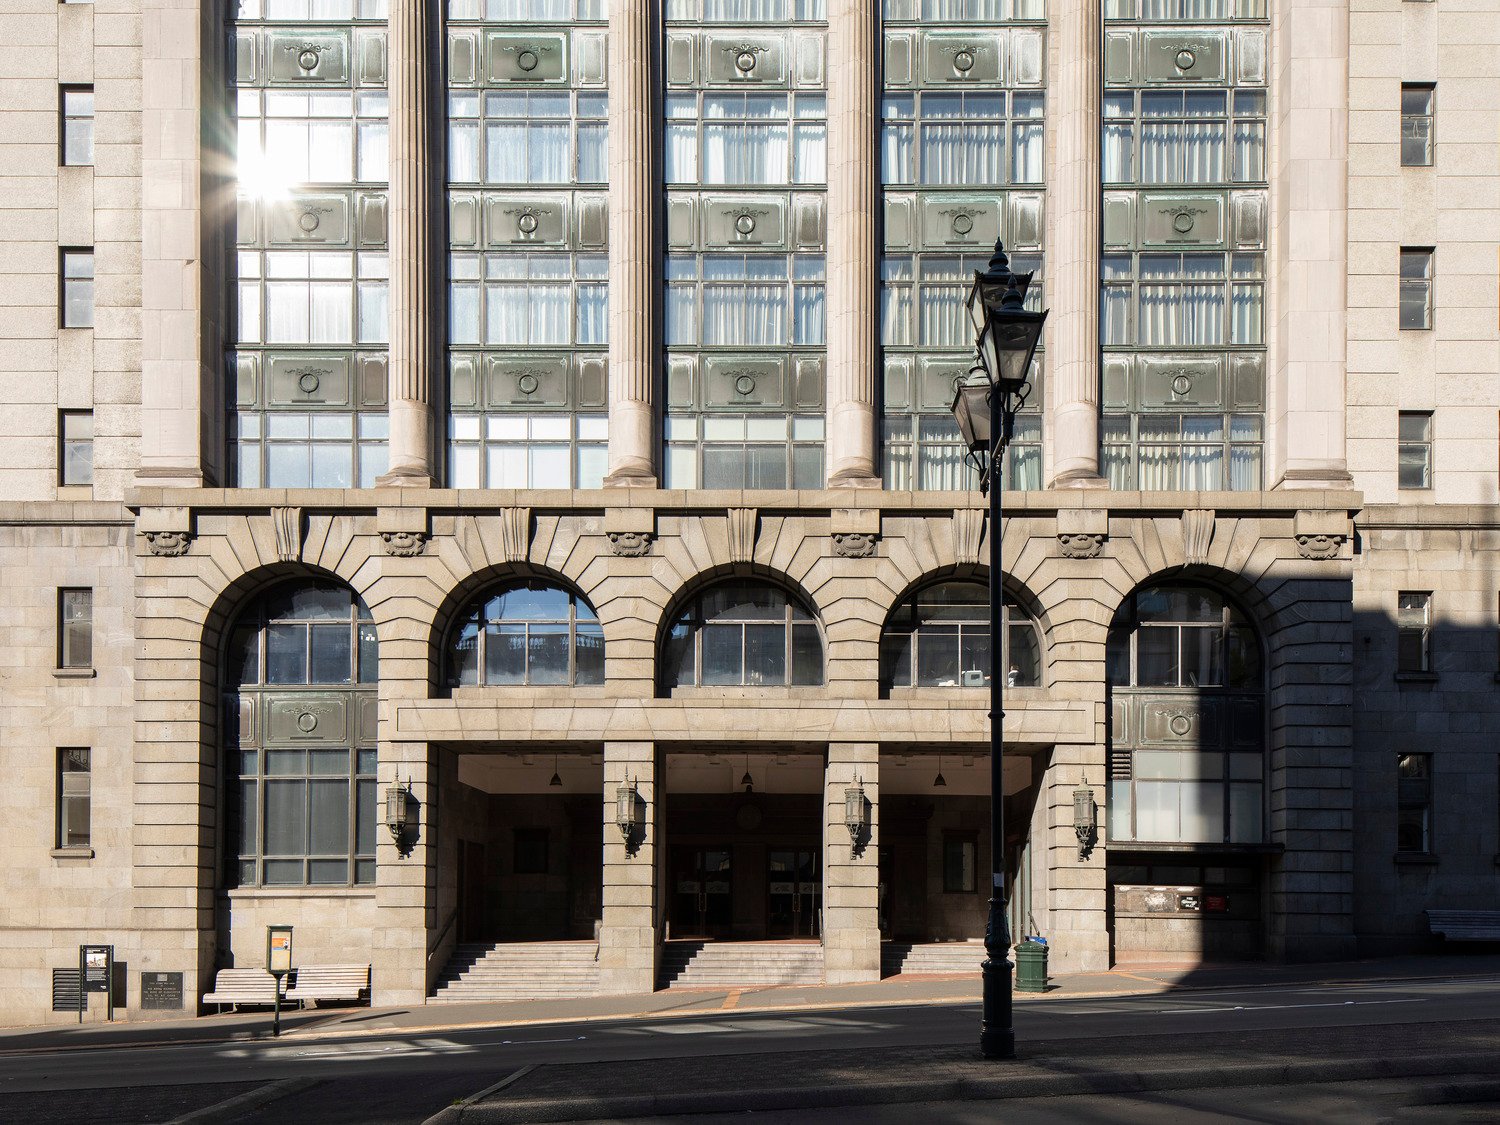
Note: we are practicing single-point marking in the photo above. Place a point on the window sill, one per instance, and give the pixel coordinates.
(74, 673)
(75, 492)
(360, 891)
(72, 853)
(1416, 677)
(1414, 859)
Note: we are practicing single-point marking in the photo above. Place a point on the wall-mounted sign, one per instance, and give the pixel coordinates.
(161, 991)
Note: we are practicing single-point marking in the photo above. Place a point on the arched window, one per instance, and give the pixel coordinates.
(743, 634)
(1187, 729)
(526, 633)
(300, 678)
(940, 637)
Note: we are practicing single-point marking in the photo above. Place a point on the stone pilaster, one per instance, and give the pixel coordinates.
(413, 203)
(628, 936)
(633, 204)
(184, 214)
(853, 317)
(851, 869)
(1070, 896)
(406, 879)
(1308, 291)
(1072, 268)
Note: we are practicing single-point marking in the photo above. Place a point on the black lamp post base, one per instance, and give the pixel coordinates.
(997, 1038)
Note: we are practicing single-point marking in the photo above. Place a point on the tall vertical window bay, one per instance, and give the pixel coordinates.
(744, 159)
(528, 297)
(309, 329)
(1182, 275)
(961, 155)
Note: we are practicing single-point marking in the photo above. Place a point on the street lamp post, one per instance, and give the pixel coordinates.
(985, 404)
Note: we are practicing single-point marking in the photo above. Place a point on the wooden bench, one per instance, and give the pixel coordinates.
(242, 988)
(1465, 925)
(330, 982)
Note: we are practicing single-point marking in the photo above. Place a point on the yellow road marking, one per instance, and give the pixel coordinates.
(732, 1000)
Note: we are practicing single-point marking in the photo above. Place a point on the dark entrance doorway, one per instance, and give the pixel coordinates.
(796, 893)
(702, 892)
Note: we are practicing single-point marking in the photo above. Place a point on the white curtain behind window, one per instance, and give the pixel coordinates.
(744, 154)
(971, 153)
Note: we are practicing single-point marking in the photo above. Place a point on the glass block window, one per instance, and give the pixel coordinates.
(1182, 274)
(1187, 759)
(299, 677)
(959, 139)
(306, 362)
(735, 451)
(526, 633)
(743, 634)
(528, 296)
(962, 162)
(940, 637)
(744, 151)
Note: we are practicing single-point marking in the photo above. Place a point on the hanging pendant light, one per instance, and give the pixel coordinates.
(556, 781)
(747, 781)
(939, 782)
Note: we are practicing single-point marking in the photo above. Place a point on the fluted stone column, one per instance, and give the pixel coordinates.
(1074, 189)
(853, 316)
(413, 203)
(633, 204)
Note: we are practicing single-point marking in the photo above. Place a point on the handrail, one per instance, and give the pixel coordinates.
(437, 943)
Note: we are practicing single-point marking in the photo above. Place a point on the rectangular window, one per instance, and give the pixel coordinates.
(530, 851)
(1413, 632)
(1414, 804)
(73, 797)
(1416, 288)
(75, 628)
(76, 105)
(1416, 124)
(960, 861)
(75, 429)
(76, 270)
(1414, 449)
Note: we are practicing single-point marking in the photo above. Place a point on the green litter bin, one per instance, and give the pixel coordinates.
(1031, 966)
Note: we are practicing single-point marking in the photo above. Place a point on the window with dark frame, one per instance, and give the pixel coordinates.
(960, 862)
(530, 856)
(75, 429)
(1416, 124)
(528, 632)
(75, 628)
(1416, 301)
(1414, 450)
(1413, 631)
(76, 275)
(743, 634)
(76, 107)
(1414, 804)
(73, 786)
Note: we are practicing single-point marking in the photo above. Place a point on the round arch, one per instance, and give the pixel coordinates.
(937, 634)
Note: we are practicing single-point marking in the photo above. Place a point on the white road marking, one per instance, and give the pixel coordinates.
(1284, 1007)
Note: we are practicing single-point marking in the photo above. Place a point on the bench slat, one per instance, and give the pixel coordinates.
(1465, 925)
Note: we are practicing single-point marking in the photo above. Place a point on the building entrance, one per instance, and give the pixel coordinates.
(796, 893)
(702, 892)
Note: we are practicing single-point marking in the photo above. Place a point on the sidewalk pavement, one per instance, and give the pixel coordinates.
(331, 1023)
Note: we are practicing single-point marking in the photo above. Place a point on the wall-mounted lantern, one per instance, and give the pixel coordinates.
(856, 813)
(1085, 820)
(399, 806)
(630, 814)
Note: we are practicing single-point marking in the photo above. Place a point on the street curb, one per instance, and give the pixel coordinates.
(1001, 1087)
(250, 1099)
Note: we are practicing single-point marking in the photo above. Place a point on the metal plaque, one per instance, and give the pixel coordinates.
(525, 220)
(976, 58)
(527, 58)
(161, 992)
(1181, 220)
(321, 56)
(307, 380)
(744, 381)
(307, 720)
(539, 380)
(753, 59)
(309, 221)
(1198, 56)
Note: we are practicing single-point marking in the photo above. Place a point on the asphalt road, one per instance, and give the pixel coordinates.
(404, 1078)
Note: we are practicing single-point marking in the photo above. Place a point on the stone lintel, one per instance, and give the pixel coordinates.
(1082, 521)
(411, 520)
(179, 520)
(633, 520)
(855, 521)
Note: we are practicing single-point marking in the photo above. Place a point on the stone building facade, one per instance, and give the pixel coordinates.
(515, 404)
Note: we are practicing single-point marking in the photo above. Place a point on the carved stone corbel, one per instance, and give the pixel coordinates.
(1081, 532)
(1320, 535)
(515, 534)
(167, 531)
(855, 532)
(968, 535)
(167, 544)
(631, 531)
(403, 531)
(744, 524)
(288, 525)
(1197, 535)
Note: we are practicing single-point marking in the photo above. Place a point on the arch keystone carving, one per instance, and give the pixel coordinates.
(744, 523)
(288, 525)
(968, 535)
(515, 534)
(1197, 534)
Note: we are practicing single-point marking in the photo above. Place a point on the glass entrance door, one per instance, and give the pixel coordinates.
(796, 893)
(702, 881)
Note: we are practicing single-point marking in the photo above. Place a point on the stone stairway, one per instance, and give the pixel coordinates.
(931, 958)
(540, 970)
(732, 964)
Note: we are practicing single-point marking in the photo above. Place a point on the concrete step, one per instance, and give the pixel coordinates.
(519, 971)
(943, 958)
(687, 964)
